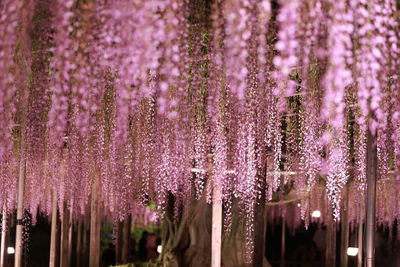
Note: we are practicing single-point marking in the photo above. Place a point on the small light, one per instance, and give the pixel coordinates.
(230, 172)
(352, 251)
(197, 170)
(298, 205)
(10, 250)
(159, 249)
(316, 214)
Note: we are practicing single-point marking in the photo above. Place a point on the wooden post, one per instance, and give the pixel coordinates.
(283, 241)
(53, 235)
(3, 237)
(94, 254)
(344, 238)
(371, 198)
(216, 231)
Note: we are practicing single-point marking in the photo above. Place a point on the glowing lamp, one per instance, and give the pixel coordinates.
(10, 250)
(352, 251)
(316, 214)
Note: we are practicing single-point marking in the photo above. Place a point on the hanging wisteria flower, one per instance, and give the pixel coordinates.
(8, 30)
(158, 103)
(288, 48)
(237, 16)
(338, 75)
(62, 67)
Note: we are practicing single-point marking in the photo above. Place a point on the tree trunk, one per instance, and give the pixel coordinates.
(187, 239)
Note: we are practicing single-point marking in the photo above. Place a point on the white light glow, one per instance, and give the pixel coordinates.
(10, 250)
(352, 251)
(159, 249)
(316, 214)
(197, 170)
(298, 205)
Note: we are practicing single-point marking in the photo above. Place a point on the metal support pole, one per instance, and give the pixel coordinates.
(283, 241)
(23, 74)
(69, 247)
(360, 243)
(330, 252)
(53, 235)
(126, 234)
(371, 198)
(64, 255)
(20, 205)
(79, 244)
(118, 245)
(95, 215)
(3, 237)
(259, 227)
(216, 234)
(344, 237)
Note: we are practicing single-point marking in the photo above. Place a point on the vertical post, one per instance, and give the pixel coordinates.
(371, 198)
(69, 247)
(216, 234)
(66, 235)
(118, 245)
(344, 238)
(94, 253)
(64, 253)
(85, 241)
(126, 234)
(23, 73)
(53, 235)
(283, 241)
(79, 245)
(260, 225)
(3, 237)
(330, 253)
(20, 204)
(259, 232)
(360, 243)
